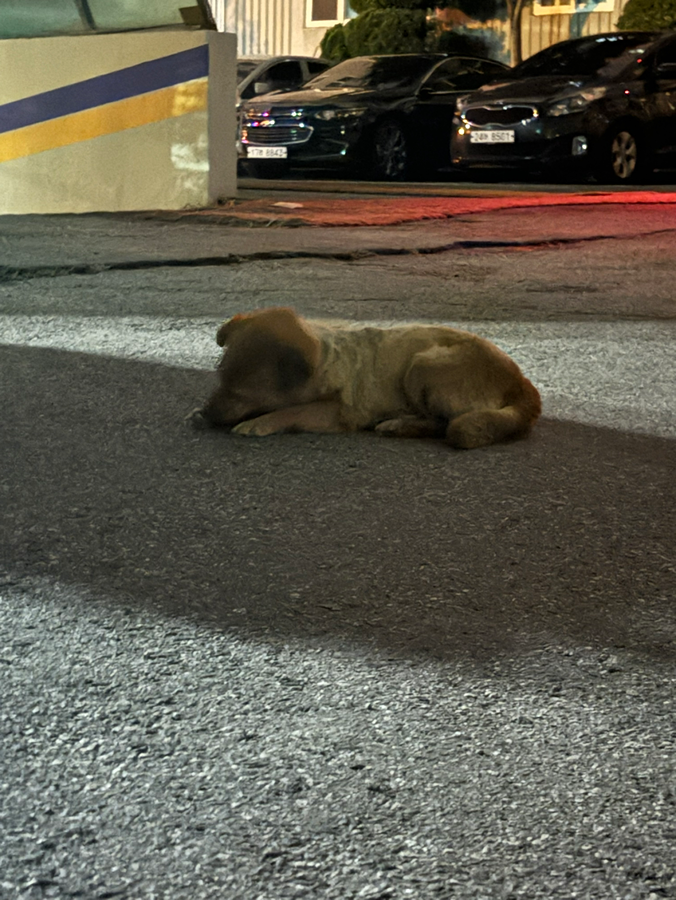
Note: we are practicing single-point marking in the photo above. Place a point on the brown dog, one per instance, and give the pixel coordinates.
(283, 373)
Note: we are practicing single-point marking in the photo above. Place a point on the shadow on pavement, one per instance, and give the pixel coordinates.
(407, 545)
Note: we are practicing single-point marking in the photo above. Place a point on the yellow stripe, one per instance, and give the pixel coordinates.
(155, 106)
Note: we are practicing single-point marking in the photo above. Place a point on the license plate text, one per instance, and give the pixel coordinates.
(266, 152)
(491, 137)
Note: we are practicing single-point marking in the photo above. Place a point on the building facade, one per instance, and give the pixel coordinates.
(544, 22)
(277, 27)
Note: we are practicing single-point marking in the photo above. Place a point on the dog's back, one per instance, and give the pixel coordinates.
(432, 372)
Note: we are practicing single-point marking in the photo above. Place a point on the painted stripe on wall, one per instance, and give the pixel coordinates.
(108, 119)
(153, 75)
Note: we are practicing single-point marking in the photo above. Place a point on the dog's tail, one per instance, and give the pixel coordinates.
(489, 426)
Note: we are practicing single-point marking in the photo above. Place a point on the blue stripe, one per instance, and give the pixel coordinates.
(118, 85)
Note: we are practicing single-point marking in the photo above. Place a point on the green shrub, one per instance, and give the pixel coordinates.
(377, 31)
(333, 44)
(648, 15)
(362, 6)
(402, 26)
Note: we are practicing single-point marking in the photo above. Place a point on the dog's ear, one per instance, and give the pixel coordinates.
(226, 329)
(293, 369)
(262, 318)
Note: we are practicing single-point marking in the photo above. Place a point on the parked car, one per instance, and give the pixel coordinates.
(259, 76)
(602, 105)
(386, 116)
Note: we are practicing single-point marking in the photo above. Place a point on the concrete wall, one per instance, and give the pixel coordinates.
(141, 120)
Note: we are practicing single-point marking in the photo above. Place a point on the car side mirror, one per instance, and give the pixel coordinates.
(262, 87)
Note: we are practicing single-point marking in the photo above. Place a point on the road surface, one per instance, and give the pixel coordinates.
(349, 666)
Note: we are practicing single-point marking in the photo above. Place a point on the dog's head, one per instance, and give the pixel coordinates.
(269, 359)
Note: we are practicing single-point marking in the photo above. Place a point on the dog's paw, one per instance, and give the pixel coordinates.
(197, 419)
(391, 427)
(259, 427)
(411, 427)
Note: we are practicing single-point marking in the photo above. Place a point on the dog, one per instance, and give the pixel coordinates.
(281, 373)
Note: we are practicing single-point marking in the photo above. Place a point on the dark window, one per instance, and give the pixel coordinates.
(605, 56)
(324, 10)
(667, 54)
(462, 74)
(284, 74)
(374, 73)
(315, 67)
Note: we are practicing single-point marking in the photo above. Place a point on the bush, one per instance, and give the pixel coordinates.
(377, 31)
(648, 15)
(362, 6)
(402, 26)
(333, 44)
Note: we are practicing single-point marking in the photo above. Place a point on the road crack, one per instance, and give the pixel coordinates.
(25, 273)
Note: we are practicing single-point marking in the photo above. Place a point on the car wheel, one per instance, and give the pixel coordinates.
(390, 152)
(623, 156)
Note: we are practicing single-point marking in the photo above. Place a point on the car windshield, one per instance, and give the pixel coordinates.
(373, 73)
(602, 56)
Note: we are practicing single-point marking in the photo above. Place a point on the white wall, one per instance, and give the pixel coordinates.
(268, 27)
(117, 122)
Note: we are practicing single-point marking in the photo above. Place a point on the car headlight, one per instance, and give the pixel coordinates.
(351, 113)
(575, 102)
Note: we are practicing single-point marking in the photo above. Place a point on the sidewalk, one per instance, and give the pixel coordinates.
(295, 222)
(283, 222)
(294, 207)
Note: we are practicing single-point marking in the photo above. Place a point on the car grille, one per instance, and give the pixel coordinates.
(499, 115)
(293, 134)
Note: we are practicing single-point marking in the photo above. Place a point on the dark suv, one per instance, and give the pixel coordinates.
(602, 105)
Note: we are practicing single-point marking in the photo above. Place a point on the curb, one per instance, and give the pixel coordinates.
(383, 211)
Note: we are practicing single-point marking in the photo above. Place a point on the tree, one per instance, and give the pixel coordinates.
(461, 28)
(514, 10)
(381, 26)
(649, 15)
(408, 26)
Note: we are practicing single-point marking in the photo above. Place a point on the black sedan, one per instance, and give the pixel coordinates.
(602, 105)
(387, 117)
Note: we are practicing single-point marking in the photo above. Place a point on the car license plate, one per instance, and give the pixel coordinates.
(491, 137)
(266, 152)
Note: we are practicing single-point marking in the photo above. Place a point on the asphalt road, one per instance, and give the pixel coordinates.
(336, 667)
